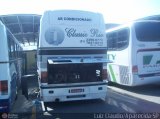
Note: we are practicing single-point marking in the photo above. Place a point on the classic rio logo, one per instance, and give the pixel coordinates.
(72, 32)
(93, 38)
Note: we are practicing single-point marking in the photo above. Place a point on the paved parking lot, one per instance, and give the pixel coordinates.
(148, 92)
(120, 99)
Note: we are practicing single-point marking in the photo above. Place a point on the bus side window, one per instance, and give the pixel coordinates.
(123, 38)
(111, 41)
(118, 40)
(9, 45)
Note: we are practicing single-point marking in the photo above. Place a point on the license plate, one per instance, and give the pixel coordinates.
(76, 90)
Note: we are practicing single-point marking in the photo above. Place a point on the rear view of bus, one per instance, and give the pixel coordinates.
(146, 49)
(134, 49)
(72, 63)
(10, 68)
(4, 71)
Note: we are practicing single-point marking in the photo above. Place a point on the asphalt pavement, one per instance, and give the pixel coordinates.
(119, 100)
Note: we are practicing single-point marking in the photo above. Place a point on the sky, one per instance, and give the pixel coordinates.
(114, 11)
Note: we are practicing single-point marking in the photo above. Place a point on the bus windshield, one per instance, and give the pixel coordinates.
(148, 31)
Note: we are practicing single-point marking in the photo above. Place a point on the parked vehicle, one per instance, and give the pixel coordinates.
(134, 49)
(10, 68)
(72, 56)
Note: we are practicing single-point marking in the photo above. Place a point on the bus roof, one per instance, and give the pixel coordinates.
(10, 33)
(129, 24)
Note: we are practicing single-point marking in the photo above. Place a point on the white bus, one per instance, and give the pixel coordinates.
(10, 68)
(72, 60)
(134, 49)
